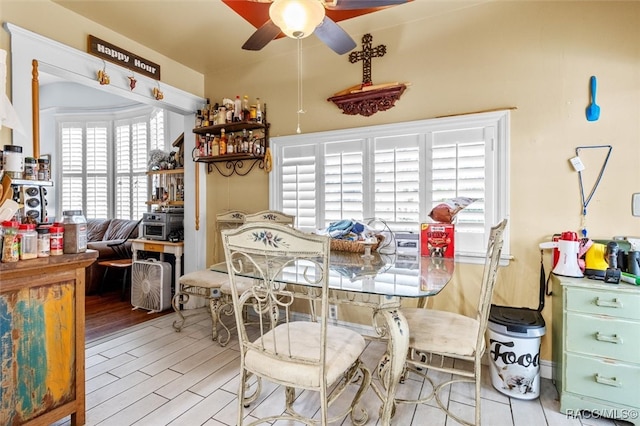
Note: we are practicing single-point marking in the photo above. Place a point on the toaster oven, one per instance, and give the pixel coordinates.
(161, 225)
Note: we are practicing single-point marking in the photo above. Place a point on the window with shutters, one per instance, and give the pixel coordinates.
(397, 173)
(104, 163)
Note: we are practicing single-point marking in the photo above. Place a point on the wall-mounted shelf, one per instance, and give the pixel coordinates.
(240, 164)
(166, 172)
(237, 163)
(29, 182)
(167, 187)
(230, 127)
(367, 102)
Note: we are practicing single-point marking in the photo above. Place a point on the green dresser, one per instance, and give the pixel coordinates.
(596, 348)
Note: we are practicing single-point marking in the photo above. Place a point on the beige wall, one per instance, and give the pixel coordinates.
(534, 56)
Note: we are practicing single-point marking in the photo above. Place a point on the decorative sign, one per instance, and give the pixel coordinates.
(111, 53)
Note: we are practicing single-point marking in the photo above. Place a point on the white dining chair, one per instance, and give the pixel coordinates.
(273, 216)
(450, 342)
(297, 355)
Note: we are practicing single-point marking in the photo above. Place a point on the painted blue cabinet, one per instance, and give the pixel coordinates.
(42, 339)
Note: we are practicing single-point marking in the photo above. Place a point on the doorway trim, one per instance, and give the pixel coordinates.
(79, 67)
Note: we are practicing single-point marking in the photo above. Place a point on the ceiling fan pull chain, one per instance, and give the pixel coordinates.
(300, 107)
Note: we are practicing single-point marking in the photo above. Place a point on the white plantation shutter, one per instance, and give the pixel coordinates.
(96, 196)
(84, 167)
(72, 193)
(131, 146)
(397, 181)
(458, 169)
(343, 181)
(72, 166)
(104, 171)
(298, 174)
(398, 173)
(72, 158)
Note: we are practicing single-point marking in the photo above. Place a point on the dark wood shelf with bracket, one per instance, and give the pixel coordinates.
(228, 164)
(230, 127)
(239, 163)
(368, 102)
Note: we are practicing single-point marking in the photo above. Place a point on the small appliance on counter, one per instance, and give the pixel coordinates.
(568, 247)
(164, 225)
(610, 260)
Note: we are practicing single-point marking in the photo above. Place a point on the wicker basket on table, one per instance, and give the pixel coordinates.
(338, 244)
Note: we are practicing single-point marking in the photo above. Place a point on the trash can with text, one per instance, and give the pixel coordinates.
(514, 350)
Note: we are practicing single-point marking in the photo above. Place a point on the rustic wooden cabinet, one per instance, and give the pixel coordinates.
(596, 347)
(42, 339)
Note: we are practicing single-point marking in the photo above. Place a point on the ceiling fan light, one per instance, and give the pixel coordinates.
(297, 18)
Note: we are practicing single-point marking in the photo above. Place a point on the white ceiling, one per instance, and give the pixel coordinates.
(207, 35)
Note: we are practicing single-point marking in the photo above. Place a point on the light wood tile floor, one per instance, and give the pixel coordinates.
(150, 375)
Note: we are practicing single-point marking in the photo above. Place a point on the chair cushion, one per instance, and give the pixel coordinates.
(243, 284)
(441, 331)
(204, 279)
(344, 346)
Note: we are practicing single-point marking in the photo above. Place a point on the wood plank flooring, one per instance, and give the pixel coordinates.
(147, 374)
(107, 313)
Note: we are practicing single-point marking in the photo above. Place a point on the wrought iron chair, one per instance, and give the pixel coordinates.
(315, 356)
(205, 284)
(437, 336)
(271, 216)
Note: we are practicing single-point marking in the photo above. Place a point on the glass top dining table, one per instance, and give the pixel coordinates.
(379, 282)
(395, 275)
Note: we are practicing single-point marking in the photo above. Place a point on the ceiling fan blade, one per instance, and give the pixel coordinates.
(334, 36)
(263, 35)
(361, 4)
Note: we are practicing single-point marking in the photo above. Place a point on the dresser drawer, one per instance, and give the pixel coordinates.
(616, 304)
(604, 336)
(606, 380)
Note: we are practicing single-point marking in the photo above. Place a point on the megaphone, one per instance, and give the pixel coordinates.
(568, 248)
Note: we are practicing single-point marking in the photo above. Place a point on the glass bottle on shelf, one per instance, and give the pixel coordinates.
(230, 142)
(245, 141)
(258, 111)
(221, 117)
(246, 113)
(237, 109)
(250, 148)
(223, 142)
(215, 146)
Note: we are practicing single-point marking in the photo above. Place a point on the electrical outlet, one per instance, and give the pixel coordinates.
(333, 312)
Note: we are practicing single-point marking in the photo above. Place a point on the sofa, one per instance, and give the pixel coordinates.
(101, 233)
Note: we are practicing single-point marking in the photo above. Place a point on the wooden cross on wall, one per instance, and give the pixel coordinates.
(365, 56)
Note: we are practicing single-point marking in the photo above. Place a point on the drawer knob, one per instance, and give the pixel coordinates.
(610, 381)
(607, 338)
(615, 303)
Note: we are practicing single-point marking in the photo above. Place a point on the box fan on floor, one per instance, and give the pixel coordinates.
(151, 285)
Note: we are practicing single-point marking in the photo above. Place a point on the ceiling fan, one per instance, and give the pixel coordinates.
(300, 18)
